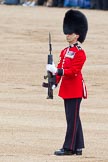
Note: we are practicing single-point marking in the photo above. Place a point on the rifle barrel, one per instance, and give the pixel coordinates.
(50, 46)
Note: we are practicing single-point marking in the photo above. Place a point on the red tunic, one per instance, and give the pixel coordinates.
(72, 84)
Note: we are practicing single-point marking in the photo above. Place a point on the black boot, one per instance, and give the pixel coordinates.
(78, 152)
(63, 152)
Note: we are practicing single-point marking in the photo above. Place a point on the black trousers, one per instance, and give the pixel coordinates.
(58, 3)
(102, 4)
(74, 134)
(93, 4)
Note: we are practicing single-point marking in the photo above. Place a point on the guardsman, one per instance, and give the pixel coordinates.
(72, 87)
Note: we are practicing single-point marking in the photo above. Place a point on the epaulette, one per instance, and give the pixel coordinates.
(78, 46)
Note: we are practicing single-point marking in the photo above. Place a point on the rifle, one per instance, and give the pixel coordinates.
(50, 76)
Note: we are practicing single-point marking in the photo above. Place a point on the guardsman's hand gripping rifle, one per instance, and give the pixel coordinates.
(50, 76)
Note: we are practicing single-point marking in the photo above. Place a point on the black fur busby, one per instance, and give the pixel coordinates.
(75, 22)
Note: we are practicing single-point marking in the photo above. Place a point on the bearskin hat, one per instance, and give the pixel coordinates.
(75, 22)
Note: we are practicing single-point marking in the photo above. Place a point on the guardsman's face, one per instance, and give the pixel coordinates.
(72, 38)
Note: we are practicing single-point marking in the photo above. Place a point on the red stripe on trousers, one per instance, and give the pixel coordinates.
(74, 126)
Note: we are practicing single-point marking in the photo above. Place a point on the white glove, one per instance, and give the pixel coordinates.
(51, 68)
(53, 87)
